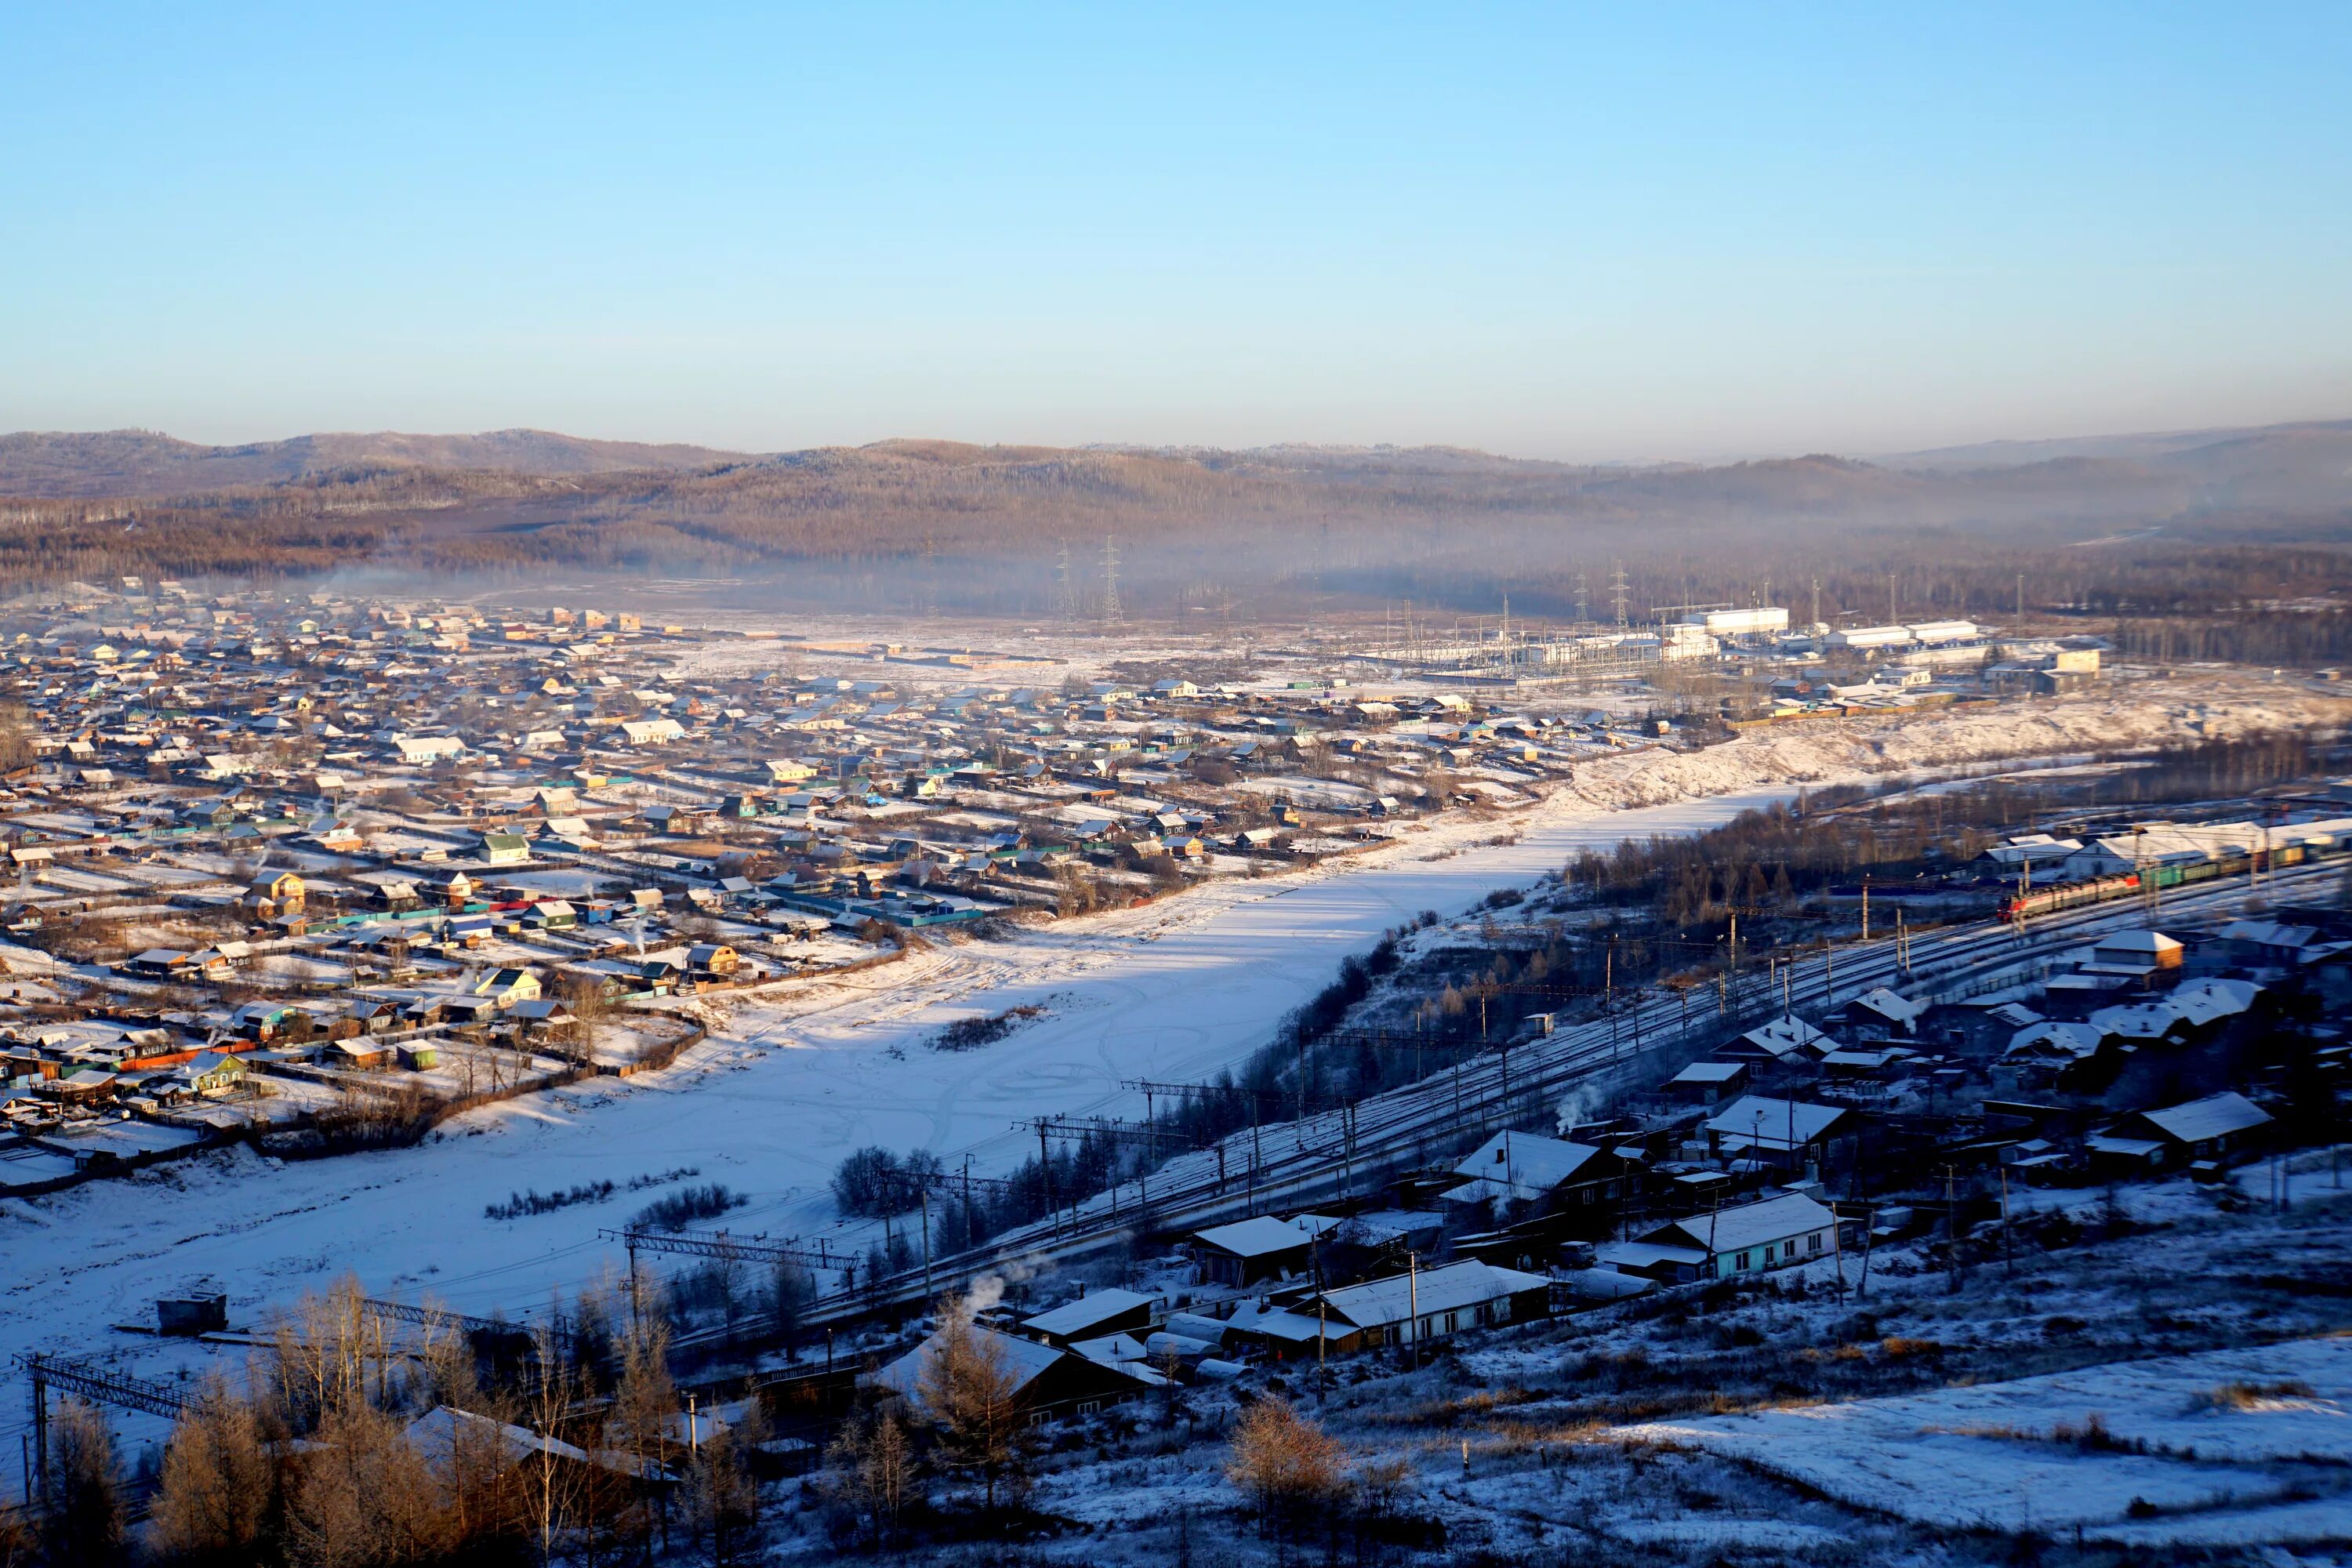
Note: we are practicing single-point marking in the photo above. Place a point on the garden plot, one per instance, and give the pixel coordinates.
(2149, 1446)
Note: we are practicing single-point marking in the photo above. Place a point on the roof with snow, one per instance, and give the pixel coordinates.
(1073, 1318)
(1260, 1236)
(437, 1435)
(2142, 943)
(1783, 1036)
(1888, 1006)
(1749, 1224)
(2215, 1115)
(1525, 1165)
(2056, 1039)
(1447, 1290)
(1025, 1359)
(1766, 1124)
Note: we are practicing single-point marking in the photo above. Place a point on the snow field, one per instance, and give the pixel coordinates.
(2008, 1454)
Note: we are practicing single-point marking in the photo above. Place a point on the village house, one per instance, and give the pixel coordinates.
(1771, 1233)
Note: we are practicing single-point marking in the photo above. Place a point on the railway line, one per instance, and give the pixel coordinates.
(1337, 1154)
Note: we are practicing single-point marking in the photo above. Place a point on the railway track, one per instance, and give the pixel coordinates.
(1335, 1153)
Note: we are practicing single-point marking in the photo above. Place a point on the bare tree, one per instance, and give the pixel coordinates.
(81, 1516)
(642, 1403)
(971, 1390)
(1286, 1464)
(553, 1486)
(219, 1484)
(331, 1353)
(365, 1497)
(872, 1470)
(722, 1497)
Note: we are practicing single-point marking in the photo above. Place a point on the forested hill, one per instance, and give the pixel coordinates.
(145, 463)
(2257, 514)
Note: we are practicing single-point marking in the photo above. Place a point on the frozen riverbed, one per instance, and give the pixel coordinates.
(785, 1087)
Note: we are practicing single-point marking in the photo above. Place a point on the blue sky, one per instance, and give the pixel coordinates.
(1623, 232)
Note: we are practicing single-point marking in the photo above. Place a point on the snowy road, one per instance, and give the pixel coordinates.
(773, 1100)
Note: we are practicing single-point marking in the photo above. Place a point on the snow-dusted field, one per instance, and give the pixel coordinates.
(2010, 1456)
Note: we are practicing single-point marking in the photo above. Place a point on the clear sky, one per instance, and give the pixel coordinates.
(1628, 231)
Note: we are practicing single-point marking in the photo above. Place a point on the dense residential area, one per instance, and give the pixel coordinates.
(322, 869)
(1518, 1237)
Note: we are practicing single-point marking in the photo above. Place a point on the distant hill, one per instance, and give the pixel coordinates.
(145, 463)
(2140, 448)
(944, 522)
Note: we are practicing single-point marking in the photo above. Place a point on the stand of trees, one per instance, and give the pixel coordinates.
(320, 1459)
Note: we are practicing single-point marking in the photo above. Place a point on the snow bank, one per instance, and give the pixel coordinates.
(1820, 750)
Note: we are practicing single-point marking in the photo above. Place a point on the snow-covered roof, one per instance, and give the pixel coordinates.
(2215, 1115)
(1750, 1225)
(1647, 1254)
(1709, 1072)
(1784, 1036)
(436, 1434)
(2145, 943)
(2269, 933)
(1525, 1165)
(2052, 1038)
(1255, 1238)
(1075, 1318)
(1447, 1290)
(2137, 1021)
(2204, 1001)
(1274, 1323)
(1025, 1359)
(1770, 1124)
(1888, 1006)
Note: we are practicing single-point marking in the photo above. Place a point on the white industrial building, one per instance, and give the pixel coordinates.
(1739, 623)
(1928, 634)
(1871, 637)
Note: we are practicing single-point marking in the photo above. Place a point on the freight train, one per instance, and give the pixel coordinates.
(2098, 889)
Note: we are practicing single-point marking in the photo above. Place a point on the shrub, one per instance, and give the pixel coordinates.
(533, 1202)
(970, 1034)
(676, 1211)
(874, 1180)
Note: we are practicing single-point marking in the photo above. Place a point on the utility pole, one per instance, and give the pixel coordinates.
(1412, 1287)
(2008, 1261)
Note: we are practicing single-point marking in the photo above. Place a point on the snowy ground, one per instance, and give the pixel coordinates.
(784, 1088)
(2010, 1456)
(790, 1082)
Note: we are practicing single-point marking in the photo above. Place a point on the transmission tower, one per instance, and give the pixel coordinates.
(1111, 614)
(1066, 590)
(1583, 599)
(1618, 593)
